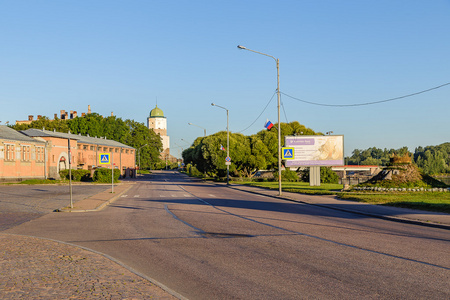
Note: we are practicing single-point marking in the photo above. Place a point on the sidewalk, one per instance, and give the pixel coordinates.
(419, 217)
(35, 268)
(99, 201)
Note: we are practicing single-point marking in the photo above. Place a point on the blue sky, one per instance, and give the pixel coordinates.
(124, 56)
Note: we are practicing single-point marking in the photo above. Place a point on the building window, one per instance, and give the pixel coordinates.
(92, 148)
(105, 149)
(126, 151)
(85, 147)
(9, 152)
(39, 154)
(26, 156)
(116, 150)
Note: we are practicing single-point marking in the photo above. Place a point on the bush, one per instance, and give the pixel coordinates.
(289, 176)
(326, 175)
(103, 175)
(193, 171)
(77, 175)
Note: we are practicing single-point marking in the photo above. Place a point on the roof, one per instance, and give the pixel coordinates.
(33, 132)
(156, 113)
(8, 133)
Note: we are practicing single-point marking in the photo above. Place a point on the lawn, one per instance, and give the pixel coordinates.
(431, 201)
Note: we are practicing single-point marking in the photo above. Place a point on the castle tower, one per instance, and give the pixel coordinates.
(158, 123)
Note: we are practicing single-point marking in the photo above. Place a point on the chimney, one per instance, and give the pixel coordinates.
(89, 109)
(83, 114)
(63, 114)
(112, 114)
(67, 116)
(71, 114)
(39, 117)
(55, 117)
(74, 114)
(30, 117)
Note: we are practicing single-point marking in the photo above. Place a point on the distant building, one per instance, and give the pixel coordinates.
(39, 154)
(158, 123)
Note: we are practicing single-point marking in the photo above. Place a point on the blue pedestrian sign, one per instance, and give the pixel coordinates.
(105, 159)
(287, 153)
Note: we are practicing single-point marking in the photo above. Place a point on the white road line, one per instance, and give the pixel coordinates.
(136, 196)
(124, 196)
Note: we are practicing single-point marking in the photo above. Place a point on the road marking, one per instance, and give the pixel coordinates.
(124, 196)
(136, 196)
(211, 195)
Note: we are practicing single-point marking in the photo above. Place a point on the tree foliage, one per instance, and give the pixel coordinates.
(431, 159)
(248, 153)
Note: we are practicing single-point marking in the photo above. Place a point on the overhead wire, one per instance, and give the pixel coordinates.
(342, 105)
(259, 114)
(368, 103)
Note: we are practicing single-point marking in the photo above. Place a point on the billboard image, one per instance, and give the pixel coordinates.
(315, 150)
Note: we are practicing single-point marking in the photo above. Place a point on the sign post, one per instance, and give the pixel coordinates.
(70, 172)
(106, 159)
(112, 173)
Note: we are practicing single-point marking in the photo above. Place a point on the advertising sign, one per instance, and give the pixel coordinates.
(316, 150)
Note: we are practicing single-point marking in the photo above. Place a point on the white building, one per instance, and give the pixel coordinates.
(158, 123)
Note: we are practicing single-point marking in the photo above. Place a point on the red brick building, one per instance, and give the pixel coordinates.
(36, 153)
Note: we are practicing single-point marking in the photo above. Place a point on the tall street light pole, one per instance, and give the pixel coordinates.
(204, 129)
(279, 122)
(228, 143)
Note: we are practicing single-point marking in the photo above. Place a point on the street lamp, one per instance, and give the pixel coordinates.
(228, 143)
(139, 155)
(204, 129)
(279, 122)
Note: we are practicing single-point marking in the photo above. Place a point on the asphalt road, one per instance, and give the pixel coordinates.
(211, 242)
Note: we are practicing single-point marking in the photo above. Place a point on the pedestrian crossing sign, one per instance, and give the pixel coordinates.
(105, 159)
(287, 152)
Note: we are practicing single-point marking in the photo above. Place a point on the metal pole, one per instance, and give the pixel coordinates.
(228, 151)
(279, 128)
(278, 108)
(228, 141)
(70, 175)
(112, 172)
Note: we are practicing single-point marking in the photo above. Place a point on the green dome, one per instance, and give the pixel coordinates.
(156, 112)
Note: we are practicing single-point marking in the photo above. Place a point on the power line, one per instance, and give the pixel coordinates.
(368, 103)
(259, 114)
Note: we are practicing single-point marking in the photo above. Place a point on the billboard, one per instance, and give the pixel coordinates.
(315, 150)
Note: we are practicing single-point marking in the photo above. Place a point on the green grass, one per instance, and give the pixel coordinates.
(430, 201)
(299, 187)
(40, 181)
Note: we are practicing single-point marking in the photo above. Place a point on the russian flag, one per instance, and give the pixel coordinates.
(268, 124)
(222, 148)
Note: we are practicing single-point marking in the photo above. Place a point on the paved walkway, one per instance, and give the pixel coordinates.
(35, 268)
